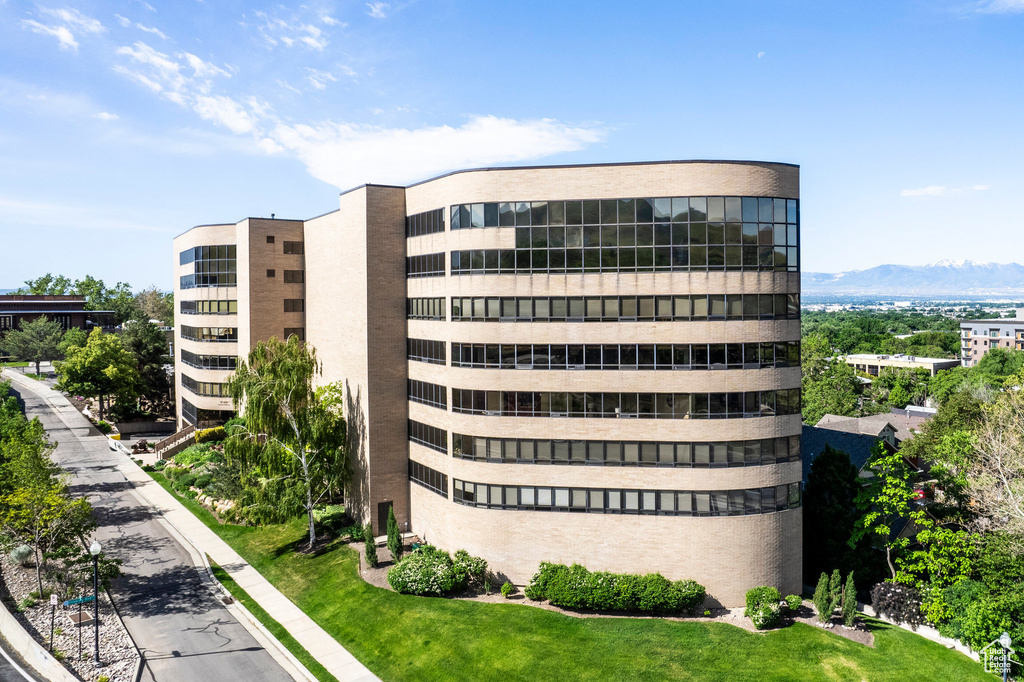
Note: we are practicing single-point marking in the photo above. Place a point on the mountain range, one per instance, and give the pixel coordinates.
(945, 278)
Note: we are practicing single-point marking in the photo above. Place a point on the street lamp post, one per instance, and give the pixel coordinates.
(94, 549)
(1005, 642)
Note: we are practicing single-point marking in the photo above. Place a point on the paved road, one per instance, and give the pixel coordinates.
(8, 673)
(183, 631)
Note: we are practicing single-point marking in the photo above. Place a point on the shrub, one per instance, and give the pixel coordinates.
(427, 571)
(330, 517)
(234, 421)
(186, 479)
(763, 607)
(104, 427)
(103, 678)
(507, 589)
(192, 455)
(21, 554)
(371, 547)
(766, 616)
(849, 609)
(899, 603)
(949, 606)
(394, 536)
(203, 481)
(214, 435)
(794, 602)
(468, 568)
(26, 603)
(835, 591)
(823, 600)
(575, 587)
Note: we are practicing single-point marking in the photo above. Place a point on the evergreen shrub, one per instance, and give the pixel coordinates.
(763, 607)
(214, 435)
(575, 587)
(793, 601)
(21, 554)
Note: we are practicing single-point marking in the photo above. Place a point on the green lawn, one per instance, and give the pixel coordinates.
(13, 364)
(401, 637)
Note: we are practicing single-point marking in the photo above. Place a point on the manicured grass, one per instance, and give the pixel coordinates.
(13, 364)
(401, 637)
(272, 625)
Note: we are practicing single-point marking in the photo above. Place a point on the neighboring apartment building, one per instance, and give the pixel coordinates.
(873, 364)
(566, 363)
(69, 311)
(978, 337)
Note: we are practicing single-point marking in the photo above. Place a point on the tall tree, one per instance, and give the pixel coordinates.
(291, 430)
(102, 368)
(148, 345)
(830, 512)
(156, 305)
(885, 504)
(36, 341)
(47, 285)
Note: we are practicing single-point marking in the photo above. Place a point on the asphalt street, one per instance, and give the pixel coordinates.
(182, 630)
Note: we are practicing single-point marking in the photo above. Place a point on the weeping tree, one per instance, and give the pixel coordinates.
(294, 435)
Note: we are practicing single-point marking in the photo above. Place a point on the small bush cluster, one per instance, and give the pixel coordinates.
(793, 602)
(429, 571)
(330, 517)
(214, 435)
(507, 589)
(899, 603)
(764, 607)
(575, 587)
(103, 427)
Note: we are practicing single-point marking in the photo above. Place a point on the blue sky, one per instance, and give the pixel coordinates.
(125, 123)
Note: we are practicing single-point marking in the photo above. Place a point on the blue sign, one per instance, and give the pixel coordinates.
(80, 600)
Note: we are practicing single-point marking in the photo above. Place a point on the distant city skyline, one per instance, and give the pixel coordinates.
(123, 124)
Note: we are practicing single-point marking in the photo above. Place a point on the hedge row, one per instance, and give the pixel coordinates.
(575, 587)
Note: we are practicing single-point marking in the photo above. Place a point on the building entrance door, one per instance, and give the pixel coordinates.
(382, 517)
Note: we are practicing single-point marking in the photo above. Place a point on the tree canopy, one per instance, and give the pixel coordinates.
(35, 341)
(102, 368)
(294, 433)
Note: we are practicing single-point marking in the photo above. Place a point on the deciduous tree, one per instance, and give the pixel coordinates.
(292, 431)
(102, 368)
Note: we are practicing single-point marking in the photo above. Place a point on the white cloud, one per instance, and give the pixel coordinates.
(760, 55)
(320, 79)
(62, 34)
(941, 191)
(328, 20)
(225, 111)
(275, 30)
(378, 10)
(203, 69)
(106, 116)
(74, 18)
(166, 70)
(347, 155)
(1000, 6)
(127, 23)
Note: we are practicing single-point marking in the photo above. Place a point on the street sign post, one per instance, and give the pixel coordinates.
(53, 616)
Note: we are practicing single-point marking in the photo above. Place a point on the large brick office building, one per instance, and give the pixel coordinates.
(547, 363)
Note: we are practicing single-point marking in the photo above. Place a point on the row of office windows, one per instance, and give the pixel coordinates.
(205, 388)
(616, 501)
(623, 356)
(625, 211)
(734, 405)
(208, 307)
(428, 478)
(432, 308)
(658, 234)
(427, 265)
(627, 308)
(431, 436)
(211, 334)
(208, 361)
(427, 393)
(194, 415)
(626, 453)
(207, 253)
(209, 279)
(424, 350)
(624, 259)
(427, 222)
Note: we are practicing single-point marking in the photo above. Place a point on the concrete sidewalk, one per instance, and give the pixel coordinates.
(324, 648)
(320, 645)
